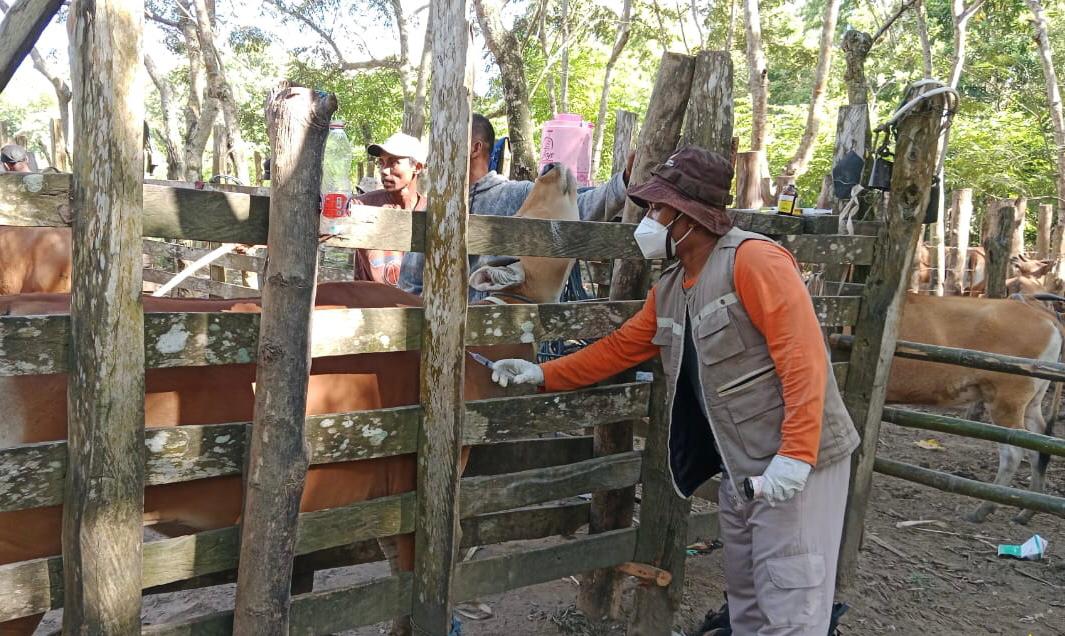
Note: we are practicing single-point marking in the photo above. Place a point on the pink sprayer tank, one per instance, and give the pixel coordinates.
(567, 139)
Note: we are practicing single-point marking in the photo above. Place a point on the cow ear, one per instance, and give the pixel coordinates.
(492, 278)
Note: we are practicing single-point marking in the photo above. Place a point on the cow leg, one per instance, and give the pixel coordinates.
(1034, 422)
(399, 551)
(1009, 460)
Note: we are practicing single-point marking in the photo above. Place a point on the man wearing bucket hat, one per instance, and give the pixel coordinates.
(401, 158)
(14, 158)
(750, 389)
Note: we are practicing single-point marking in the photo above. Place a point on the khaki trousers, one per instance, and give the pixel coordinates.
(780, 562)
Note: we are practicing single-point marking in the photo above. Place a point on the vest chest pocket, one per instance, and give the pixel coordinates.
(757, 412)
(717, 337)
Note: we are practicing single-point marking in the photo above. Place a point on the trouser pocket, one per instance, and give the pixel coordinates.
(791, 591)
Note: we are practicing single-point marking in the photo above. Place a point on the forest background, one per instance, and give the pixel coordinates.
(211, 62)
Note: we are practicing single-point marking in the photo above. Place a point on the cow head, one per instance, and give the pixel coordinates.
(541, 280)
(1030, 267)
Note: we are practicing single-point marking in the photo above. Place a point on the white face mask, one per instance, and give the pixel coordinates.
(653, 238)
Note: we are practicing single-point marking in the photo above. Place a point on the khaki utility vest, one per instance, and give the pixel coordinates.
(739, 419)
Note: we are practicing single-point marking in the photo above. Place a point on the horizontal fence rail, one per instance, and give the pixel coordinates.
(31, 475)
(235, 217)
(35, 345)
(946, 482)
(967, 358)
(978, 430)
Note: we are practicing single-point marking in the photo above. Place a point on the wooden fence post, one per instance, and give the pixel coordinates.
(624, 134)
(939, 236)
(444, 323)
(1020, 223)
(878, 320)
(276, 465)
(709, 116)
(1045, 222)
(663, 534)
(962, 204)
(748, 184)
(104, 486)
(1001, 230)
(599, 594)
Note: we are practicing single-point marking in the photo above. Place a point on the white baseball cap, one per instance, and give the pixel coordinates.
(400, 145)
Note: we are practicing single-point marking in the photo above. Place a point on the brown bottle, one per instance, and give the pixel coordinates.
(788, 201)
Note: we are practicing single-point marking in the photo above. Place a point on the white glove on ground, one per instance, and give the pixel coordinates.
(516, 371)
(783, 479)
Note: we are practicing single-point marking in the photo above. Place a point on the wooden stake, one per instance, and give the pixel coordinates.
(600, 589)
(1046, 221)
(962, 204)
(997, 247)
(878, 320)
(277, 459)
(1020, 224)
(748, 182)
(444, 325)
(104, 487)
(704, 124)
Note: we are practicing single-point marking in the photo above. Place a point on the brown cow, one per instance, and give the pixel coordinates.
(35, 410)
(1013, 401)
(34, 259)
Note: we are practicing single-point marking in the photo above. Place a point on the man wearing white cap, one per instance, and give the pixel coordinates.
(401, 158)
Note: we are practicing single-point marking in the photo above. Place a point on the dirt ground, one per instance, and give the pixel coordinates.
(942, 578)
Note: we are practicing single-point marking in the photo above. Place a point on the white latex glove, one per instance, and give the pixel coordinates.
(783, 479)
(516, 371)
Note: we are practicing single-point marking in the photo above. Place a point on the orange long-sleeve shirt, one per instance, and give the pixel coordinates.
(768, 284)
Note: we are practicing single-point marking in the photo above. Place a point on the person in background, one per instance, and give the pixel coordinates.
(750, 391)
(401, 159)
(493, 194)
(14, 158)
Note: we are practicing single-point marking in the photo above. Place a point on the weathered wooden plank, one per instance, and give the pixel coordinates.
(31, 587)
(33, 345)
(202, 285)
(202, 215)
(527, 454)
(170, 251)
(500, 492)
(839, 369)
(443, 365)
(837, 311)
(522, 569)
(946, 482)
(663, 532)
(878, 321)
(31, 475)
(830, 248)
(104, 487)
(278, 457)
(829, 224)
(23, 23)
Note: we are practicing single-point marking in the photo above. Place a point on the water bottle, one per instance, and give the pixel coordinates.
(336, 177)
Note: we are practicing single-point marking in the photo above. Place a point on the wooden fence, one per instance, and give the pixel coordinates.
(491, 508)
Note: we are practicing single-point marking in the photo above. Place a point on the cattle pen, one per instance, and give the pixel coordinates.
(107, 343)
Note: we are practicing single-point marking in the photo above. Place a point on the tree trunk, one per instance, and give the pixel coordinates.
(748, 182)
(963, 213)
(731, 30)
(758, 79)
(19, 31)
(997, 247)
(218, 87)
(619, 46)
(278, 455)
(551, 98)
(563, 101)
(798, 164)
(414, 117)
(1058, 121)
(939, 237)
(175, 154)
(709, 119)
(507, 53)
(104, 485)
(856, 45)
(922, 35)
(200, 109)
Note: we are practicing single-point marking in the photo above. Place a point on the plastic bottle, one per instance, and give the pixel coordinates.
(336, 177)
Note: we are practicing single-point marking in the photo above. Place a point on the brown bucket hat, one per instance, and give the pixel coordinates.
(696, 182)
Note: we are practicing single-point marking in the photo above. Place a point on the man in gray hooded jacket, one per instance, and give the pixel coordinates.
(493, 194)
